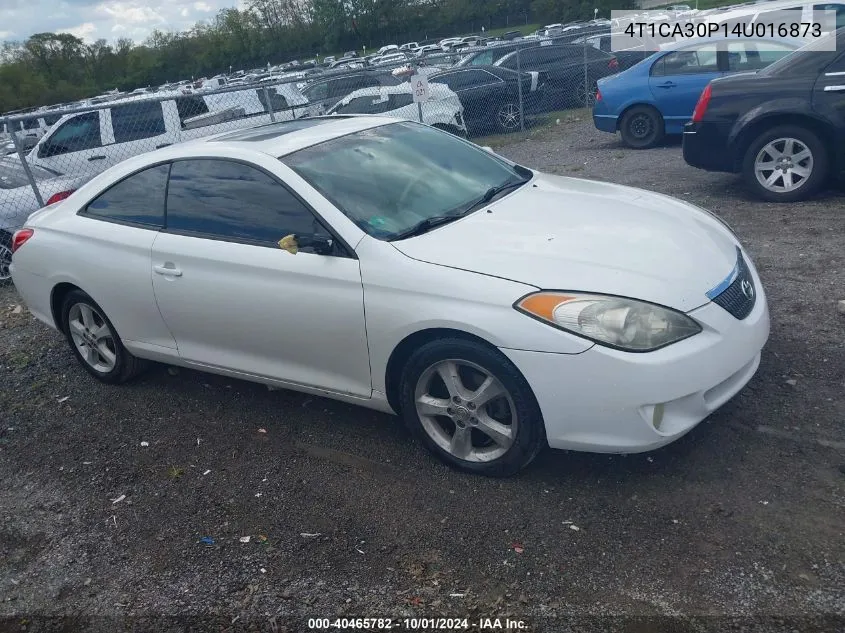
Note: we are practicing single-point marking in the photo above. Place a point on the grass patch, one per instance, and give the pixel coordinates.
(525, 29)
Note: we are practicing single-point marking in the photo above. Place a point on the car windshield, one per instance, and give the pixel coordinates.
(12, 174)
(391, 178)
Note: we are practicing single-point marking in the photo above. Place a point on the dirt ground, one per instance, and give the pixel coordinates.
(125, 503)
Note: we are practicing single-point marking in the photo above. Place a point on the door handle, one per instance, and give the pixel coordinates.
(92, 158)
(168, 271)
(667, 84)
(163, 145)
(834, 88)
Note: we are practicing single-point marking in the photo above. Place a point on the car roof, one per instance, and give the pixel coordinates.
(280, 139)
(705, 40)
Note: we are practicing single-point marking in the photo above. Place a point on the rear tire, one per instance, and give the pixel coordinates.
(805, 158)
(484, 420)
(507, 117)
(95, 342)
(642, 127)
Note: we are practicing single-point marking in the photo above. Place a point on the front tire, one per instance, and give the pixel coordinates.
(470, 406)
(642, 127)
(785, 164)
(95, 342)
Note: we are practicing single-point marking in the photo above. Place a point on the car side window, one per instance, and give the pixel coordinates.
(234, 201)
(135, 121)
(745, 56)
(77, 134)
(138, 199)
(482, 59)
(701, 59)
(317, 92)
(840, 12)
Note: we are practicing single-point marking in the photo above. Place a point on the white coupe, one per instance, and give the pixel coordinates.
(392, 265)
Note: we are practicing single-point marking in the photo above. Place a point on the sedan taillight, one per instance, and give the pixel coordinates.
(58, 197)
(701, 106)
(20, 237)
(598, 95)
(613, 64)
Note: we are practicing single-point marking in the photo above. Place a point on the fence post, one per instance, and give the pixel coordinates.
(586, 78)
(519, 84)
(25, 166)
(269, 104)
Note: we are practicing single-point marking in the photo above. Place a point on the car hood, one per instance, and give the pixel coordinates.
(560, 233)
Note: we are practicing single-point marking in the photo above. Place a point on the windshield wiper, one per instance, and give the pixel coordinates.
(426, 225)
(491, 193)
(438, 220)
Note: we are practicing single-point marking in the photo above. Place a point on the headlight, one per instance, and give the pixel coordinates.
(626, 324)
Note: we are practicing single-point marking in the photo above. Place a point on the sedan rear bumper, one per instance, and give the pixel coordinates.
(705, 146)
(608, 401)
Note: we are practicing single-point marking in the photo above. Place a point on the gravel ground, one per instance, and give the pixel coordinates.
(133, 502)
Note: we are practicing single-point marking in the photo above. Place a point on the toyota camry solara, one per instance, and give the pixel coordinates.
(392, 265)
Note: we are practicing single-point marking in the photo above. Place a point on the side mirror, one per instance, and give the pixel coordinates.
(319, 244)
(489, 149)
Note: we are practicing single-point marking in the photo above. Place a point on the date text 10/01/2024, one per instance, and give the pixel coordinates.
(690, 30)
(417, 624)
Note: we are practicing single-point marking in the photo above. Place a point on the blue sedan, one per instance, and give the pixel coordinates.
(657, 96)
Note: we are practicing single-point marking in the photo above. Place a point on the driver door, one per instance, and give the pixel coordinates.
(234, 300)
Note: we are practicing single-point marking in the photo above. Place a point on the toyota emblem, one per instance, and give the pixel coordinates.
(747, 289)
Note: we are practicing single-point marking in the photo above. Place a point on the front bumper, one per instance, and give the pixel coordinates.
(607, 401)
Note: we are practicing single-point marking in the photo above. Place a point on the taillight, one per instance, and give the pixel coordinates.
(613, 64)
(598, 95)
(20, 237)
(701, 106)
(58, 197)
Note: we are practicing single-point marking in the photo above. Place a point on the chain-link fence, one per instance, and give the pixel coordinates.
(474, 92)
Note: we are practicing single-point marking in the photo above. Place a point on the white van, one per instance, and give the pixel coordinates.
(93, 141)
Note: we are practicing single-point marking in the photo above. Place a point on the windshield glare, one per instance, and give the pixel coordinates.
(390, 178)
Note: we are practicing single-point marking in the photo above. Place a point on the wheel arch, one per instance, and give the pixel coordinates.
(57, 299)
(402, 352)
(746, 135)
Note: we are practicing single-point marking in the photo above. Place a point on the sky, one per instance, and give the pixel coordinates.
(107, 19)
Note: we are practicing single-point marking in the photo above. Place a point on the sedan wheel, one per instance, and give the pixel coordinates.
(783, 164)
(93, 337)
(507, 117)
(786, 164)
(471, 407)
(95, 342)
(5, 263)
(466, 411)
(642, 127)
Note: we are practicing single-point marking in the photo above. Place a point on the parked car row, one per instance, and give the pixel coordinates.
(771, 110)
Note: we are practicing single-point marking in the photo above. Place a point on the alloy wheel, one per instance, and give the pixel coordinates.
(508, 116)
(93, 337)
(5, 263)
(783, 165)
(466, 410)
